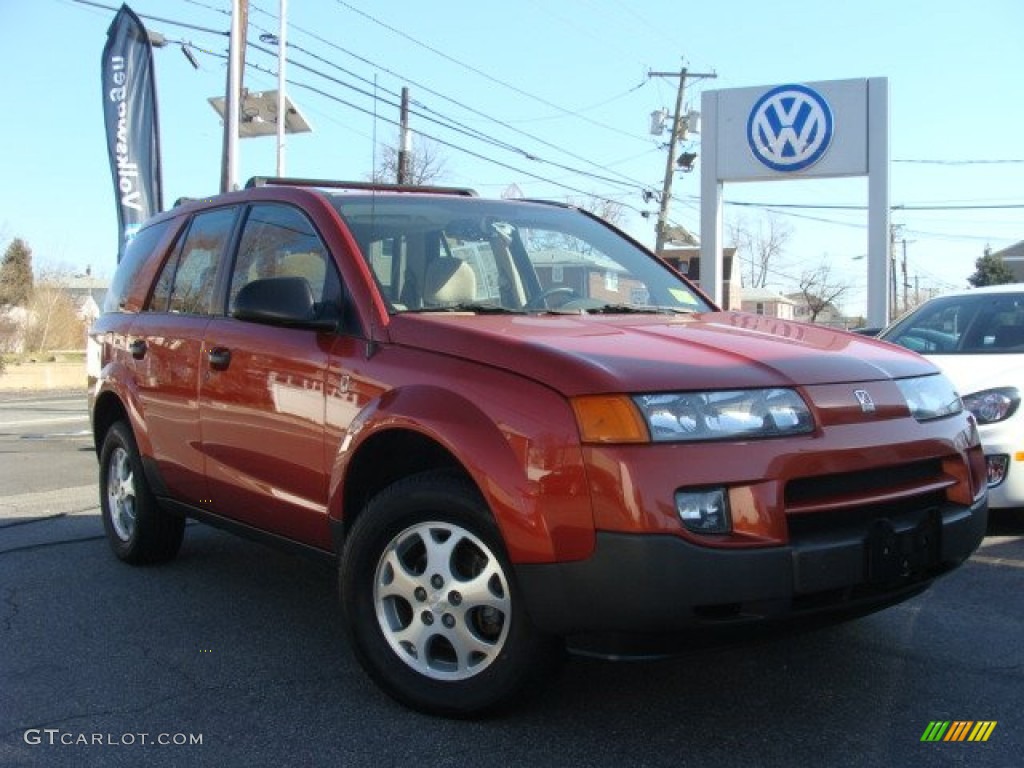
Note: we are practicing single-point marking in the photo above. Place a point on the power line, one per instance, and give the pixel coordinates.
(481, 73)
(960, 162)
(150, 16)
(439, 140)
(638, 184)
(451, 125)
(898, 207)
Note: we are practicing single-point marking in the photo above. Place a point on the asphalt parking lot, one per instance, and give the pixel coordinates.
(234, 655)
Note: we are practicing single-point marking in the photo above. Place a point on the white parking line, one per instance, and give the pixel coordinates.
(1008, 561)
(49, 420)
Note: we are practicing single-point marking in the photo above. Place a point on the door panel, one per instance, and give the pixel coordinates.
(167, 359)
(262, 401)
(263, 427)
(166, 350)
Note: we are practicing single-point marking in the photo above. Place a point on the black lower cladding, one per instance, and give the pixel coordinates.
(663, 584)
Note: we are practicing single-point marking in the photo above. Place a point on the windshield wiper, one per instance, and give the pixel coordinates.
(633, 309)
(480, 309)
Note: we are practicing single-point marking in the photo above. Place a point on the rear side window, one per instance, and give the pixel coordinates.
(279, 241)
(139, 250)
(187, 282)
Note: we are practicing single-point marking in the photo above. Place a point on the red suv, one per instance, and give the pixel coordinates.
(512, 426)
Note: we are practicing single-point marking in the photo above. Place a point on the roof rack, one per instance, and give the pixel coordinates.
(263, 181)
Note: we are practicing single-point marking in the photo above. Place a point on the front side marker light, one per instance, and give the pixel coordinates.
(609, 419)
(704, 511)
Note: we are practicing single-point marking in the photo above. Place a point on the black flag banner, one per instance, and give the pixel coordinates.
(129, 111)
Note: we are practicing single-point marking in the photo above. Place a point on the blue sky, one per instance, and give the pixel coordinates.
(566, 83)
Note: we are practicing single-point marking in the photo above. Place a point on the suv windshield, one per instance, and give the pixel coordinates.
(461, 253)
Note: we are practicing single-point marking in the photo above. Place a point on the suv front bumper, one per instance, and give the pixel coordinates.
(656, 583)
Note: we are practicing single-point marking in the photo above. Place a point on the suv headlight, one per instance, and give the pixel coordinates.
(992, 405)
(741, 413)
(930, 397)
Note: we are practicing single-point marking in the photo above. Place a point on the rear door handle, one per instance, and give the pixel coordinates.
(138, 348)
(219, 357)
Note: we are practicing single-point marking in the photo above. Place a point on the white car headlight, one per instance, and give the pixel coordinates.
(992, 405)
(930, 397)
(741, 413)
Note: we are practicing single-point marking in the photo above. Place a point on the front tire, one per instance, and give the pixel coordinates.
(139, 531)
(433, 611)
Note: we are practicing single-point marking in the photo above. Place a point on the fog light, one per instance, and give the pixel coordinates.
(704, 511)
(997, 467)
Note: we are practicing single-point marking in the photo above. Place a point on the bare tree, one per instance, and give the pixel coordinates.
(54, 320)
(609, 210)
(821, 290)
(760, 246)
(426, 163)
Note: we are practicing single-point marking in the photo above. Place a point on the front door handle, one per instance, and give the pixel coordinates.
(219, 357)
(138, 348)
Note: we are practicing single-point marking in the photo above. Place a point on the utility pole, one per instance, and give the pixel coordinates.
(405, 140)
(678, 131)
(282, 101)
(233, 93)
(906, 285)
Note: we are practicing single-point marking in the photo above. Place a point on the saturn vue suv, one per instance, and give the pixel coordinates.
(514, 429)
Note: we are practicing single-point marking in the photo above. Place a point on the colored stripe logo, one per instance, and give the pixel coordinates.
(959, 730)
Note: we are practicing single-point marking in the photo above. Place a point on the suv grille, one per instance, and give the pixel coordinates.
(852, 501)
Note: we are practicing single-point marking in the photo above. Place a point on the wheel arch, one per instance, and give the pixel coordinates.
(106, 411)
(420, 429)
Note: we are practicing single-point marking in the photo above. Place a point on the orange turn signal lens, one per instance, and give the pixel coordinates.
(609, 419)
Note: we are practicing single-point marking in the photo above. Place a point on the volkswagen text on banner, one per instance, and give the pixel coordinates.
(130, 114)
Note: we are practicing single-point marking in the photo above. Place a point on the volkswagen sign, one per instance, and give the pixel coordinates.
(790, 128)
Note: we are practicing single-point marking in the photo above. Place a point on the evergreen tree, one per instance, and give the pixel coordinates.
(990, 270)
(16, 274)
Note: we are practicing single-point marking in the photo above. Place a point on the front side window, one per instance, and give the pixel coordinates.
(438, 253)
(279, 241)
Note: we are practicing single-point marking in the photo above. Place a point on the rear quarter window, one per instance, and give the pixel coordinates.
(137, 254)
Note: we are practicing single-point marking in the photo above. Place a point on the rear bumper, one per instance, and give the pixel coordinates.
(662, 584)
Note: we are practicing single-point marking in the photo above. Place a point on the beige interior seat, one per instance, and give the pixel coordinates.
(449, 281)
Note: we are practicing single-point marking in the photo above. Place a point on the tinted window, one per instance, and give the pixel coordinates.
(279, 241)
(188, 279)
(139, 250)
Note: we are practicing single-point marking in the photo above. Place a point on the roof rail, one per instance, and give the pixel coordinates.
(263, 181)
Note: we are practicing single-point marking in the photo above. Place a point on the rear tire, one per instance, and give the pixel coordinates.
(433, 611)
(139, 531)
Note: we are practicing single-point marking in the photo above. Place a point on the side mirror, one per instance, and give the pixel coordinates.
(281, 301)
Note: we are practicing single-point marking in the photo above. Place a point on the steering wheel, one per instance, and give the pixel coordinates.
(541, 302)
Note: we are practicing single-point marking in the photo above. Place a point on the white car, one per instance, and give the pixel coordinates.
(977, 338)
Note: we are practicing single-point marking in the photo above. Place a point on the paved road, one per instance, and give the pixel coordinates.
(242, 647)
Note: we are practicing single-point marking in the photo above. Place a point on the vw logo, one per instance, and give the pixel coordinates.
(867, 405)
(790, 128)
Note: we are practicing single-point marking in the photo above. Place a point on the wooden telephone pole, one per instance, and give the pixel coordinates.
(678, 131)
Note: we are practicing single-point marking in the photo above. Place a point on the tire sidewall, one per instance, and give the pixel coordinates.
(116, 437)
(155, 537)
(438, 499)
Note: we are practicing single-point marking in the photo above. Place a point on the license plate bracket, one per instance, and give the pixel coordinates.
(896, 552)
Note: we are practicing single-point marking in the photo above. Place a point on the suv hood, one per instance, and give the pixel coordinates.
(592, 354)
